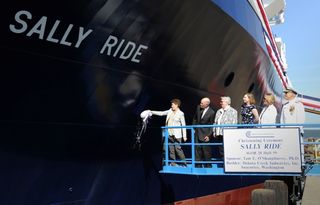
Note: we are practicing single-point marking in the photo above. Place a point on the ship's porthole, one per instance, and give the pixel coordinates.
(251, 88)
(229, 79)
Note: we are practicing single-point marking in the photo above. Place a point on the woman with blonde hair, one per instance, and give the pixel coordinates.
(249, 112)
(269, 112)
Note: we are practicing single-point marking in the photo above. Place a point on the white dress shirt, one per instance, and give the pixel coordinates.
(204, 111)
(293, 113)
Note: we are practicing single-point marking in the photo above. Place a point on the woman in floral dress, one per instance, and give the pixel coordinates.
(249, 112)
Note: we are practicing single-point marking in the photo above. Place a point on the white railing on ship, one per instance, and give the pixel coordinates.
(310, 165)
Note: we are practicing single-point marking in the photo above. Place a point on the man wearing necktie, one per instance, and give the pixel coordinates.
(204, 116)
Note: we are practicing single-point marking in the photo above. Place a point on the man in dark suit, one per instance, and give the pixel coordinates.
(204, 116)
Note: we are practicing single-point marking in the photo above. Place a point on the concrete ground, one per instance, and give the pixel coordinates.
(311, 194)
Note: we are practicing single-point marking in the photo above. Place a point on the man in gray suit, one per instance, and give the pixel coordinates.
(204, 116)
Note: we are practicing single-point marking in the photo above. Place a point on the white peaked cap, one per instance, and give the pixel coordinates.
(290, 89)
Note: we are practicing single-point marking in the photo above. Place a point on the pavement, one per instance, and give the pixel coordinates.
(311, 194)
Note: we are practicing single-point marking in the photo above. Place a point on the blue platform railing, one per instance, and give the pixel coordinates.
(310, 163)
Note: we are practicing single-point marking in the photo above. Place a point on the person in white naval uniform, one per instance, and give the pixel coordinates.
(293, 110)
(293, 113)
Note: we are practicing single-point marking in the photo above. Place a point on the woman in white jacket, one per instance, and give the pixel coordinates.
(269, 112)
(175, 117)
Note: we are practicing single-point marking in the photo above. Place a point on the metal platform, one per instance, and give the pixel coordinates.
(310, 164)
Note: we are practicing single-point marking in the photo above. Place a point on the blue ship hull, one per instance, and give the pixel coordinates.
(75, 76)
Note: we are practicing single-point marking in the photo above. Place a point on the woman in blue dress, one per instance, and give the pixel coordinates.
(249, 112)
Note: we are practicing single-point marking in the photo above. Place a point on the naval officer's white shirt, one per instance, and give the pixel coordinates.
(293, 113)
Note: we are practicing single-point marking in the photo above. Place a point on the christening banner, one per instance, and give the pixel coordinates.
(262, 150)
